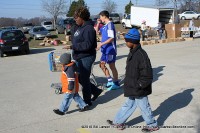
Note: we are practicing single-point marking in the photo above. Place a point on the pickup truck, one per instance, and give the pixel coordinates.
(64, 26)
(126, 22)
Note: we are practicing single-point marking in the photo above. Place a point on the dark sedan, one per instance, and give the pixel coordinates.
(13, 40)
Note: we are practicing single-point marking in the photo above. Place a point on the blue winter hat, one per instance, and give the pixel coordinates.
(133, 36)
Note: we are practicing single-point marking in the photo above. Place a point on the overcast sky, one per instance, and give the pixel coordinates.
(32, 8)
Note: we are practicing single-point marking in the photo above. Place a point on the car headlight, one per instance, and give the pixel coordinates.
(38, 35)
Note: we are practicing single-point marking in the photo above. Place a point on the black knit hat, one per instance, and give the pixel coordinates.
(65, 58)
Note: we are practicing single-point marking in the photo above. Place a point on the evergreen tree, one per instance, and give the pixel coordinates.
(75, 5)
(128, 7)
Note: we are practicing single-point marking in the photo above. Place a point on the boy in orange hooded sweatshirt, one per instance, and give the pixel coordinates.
(70, 86)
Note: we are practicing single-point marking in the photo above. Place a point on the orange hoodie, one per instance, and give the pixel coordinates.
(69, 79)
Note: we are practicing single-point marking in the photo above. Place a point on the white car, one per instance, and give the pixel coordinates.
(48, 25)
(189, 15)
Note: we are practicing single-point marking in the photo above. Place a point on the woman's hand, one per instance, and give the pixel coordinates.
(98, 46)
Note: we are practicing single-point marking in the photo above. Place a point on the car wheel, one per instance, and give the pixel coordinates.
(27, 51)
(198, 17)
(124, 25)
(183, 18)
(1, 53)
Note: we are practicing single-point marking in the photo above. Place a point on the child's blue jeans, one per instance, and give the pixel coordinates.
(68, 99)
(129, 107)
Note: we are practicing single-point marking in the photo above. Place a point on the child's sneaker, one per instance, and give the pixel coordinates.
(118, 126)
(84, 109)
(113, 87)
(150, 129)
(58, 112)
(109, 84)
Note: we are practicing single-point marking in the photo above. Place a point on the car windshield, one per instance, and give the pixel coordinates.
(29, 24)
(47, 23)
(12, 34)
(114, 15)
(38, 29)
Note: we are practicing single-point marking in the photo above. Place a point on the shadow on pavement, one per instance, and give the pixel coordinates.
(157, 72)
(41, 50)
(72, 111)
(167, 107)
(32, 51)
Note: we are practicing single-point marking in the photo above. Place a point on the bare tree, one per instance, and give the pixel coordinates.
(55, 8)
(161, 2)
(181, 5)
(109, 6)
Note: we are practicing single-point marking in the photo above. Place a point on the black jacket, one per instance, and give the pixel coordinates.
(84, 41)
(139, 75)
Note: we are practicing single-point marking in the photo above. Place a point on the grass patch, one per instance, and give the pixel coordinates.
(35, 43)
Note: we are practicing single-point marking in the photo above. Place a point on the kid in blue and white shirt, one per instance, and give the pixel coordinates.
(108, 49)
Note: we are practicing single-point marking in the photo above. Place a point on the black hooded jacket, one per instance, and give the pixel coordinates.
(84, 41)
(139, 75)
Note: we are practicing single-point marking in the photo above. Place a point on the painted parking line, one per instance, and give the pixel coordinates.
(82, 130)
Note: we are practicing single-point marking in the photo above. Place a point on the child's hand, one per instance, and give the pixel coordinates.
(67, 47)
(98, 21)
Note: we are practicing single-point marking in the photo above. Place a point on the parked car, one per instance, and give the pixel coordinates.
(9, 28)
(189, 15)
(64, 26)
(27, 27)
(48, 25)
(39, 32)
(13, 40)
(115, 17)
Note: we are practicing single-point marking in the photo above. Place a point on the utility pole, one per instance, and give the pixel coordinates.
(175, 11)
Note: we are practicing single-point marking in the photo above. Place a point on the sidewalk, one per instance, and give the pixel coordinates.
(27, 100)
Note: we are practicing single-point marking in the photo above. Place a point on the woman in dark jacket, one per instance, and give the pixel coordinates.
(84, 52)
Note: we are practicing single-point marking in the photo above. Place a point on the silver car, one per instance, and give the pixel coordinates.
(115, 18)
(39, 32)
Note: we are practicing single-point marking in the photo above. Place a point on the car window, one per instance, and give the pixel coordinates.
(38, 29)
(12, 34)
(29, 24)
(48, 23)
(69, 21)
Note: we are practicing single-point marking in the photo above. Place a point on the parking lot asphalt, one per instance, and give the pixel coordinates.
(27, 101)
